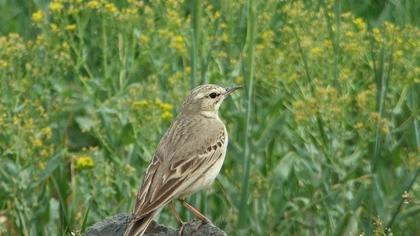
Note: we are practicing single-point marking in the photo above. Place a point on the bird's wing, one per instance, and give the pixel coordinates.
(189, 156)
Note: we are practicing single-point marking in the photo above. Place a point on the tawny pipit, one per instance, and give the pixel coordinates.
(188, 157)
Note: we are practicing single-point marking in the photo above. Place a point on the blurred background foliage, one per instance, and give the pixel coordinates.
(324, 139)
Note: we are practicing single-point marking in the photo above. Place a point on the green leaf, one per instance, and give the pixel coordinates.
(85, 123)
(285, 166)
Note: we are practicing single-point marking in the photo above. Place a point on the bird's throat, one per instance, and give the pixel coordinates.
(210, 114)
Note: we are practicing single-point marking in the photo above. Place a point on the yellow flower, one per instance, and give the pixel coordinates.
(327, 43)
(316, 51)
(167, 116)
(164, 33)
(259, 47)
(346, 15)
(361, 99)
(93, 4)
(130, 11)
(65, 46)
(374, 116)
(349, 34)
(15, 120)
(413, 159)
(71, 27)
(129, 169)
(384, 126)
(268, 36)
(3, 64)
(398, 55)
(143, 39)
(299, 108)
(377, 35)
(360, 24)
(54, 28)
(55, 6)
(239, 80)
(178, 43)
(140, 104)
(390, 27)
(40, 39)
(175, 78)
(38, 16)
(37, 142)
(359, 125)
(345, 74)
(41, 165)
(44, 153)
(225, 37)
(217, 15)
(163, 105)
(84, 162)
(166, 107)
(47, 131)
(111, 7)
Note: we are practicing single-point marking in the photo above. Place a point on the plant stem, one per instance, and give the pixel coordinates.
(196, 25)
(249, 75)
(334, 37)
(105, 48)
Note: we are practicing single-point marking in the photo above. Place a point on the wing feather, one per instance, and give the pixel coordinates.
(178, 162)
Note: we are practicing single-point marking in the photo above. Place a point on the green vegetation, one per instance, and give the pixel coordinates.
(324, 139)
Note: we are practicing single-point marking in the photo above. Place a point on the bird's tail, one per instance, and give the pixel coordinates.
(137, 227)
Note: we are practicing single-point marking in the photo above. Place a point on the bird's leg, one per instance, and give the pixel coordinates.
(178, 218)
(195, 211)
(173, 210)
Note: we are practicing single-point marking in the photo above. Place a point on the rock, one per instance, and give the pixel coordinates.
(116, 225)
(197, 228)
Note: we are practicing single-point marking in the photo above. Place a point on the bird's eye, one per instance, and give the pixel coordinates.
(213, 95)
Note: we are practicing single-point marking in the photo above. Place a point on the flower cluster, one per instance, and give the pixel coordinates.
(83, 162)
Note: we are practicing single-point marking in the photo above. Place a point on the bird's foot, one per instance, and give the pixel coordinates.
(181, 229)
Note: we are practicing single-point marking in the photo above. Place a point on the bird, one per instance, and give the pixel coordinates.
(187, 159)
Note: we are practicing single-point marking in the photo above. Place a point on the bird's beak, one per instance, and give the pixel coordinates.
(231, 89)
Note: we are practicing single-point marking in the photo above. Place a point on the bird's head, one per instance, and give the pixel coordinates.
(206, 98)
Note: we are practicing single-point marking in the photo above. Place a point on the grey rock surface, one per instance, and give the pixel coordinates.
(116, 225)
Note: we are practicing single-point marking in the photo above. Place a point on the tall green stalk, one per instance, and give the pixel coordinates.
(105, 49)
(196, 25)
(249, 75)
(382, 82)
(381, 94)
(334, 36)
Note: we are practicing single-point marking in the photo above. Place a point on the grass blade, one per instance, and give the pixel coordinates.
(249, 75)
(196, 36)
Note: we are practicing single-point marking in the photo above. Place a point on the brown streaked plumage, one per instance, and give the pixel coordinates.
(187, 159)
